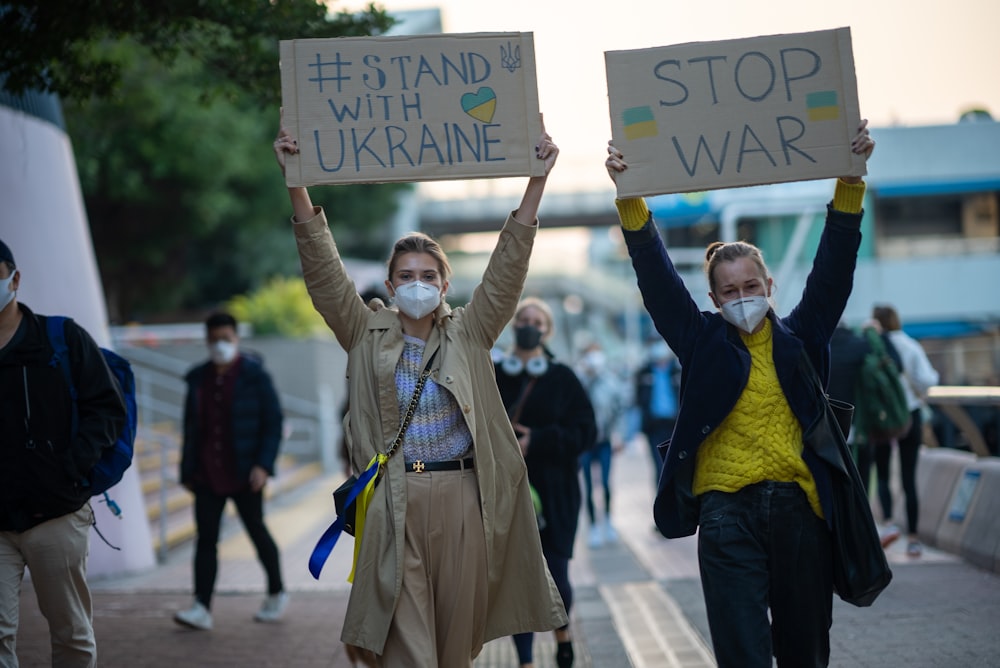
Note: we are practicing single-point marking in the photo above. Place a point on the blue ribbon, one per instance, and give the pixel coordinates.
(329, 538)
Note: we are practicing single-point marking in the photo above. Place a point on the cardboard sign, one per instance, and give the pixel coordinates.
(412, 108)
(740, 112)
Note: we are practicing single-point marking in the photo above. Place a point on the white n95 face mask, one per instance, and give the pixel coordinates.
(417, 299)
(746, 313)
(6, 291)
(222, 352)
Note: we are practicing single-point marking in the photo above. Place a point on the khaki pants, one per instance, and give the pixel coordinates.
(441, 615)
(56, 554)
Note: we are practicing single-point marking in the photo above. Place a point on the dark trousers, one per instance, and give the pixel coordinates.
(760, 549)
(909, 453)
(559, 568)
(208, 508)
(601, 453)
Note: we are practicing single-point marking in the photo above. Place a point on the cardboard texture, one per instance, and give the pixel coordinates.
(413, 108)
(742, 112)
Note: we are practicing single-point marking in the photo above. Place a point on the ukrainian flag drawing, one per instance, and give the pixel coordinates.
(639, 123)
(822, 106)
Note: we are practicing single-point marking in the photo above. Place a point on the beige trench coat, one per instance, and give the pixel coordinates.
(521, 594)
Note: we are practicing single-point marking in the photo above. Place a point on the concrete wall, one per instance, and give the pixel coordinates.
(960, 505)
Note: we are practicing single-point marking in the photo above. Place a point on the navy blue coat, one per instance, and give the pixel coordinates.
(256, 415)
(716, 364)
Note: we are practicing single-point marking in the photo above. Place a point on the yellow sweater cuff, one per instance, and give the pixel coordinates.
(849, 197)
(632, 212)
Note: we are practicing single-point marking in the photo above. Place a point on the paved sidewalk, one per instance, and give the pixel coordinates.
(637, 603)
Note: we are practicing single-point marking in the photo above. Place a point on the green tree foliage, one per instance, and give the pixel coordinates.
(185, 201)
(281, 307)
(47, 45)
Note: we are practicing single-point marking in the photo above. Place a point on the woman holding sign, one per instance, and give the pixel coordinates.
(735, 468)
(449, 551)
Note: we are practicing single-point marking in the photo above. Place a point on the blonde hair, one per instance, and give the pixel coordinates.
(535, 302)
(719, 251)
(418, 242)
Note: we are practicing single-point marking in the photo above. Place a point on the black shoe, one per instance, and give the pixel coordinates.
(564, 654)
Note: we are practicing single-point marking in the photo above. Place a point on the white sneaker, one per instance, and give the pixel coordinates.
(273, 607)
(595, 538)
(610, 535)
(888, 533)
(195, 617)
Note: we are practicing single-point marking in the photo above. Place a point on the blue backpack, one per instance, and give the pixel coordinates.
(114, 460)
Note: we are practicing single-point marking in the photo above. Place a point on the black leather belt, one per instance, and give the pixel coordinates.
(419, 466)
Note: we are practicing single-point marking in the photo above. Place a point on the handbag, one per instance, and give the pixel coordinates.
(345, 495)
(343, 500)
(860, 569)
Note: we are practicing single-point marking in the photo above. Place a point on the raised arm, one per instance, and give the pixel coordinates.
(284, 145)
(527, 211)
(332, 291)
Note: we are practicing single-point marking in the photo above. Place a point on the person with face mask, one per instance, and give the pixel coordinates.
(554, 422)
(232, 433)
(49, 442)
(736, 468)
(435, 576)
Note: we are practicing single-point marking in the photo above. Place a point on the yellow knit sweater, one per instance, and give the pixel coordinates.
(760, 439)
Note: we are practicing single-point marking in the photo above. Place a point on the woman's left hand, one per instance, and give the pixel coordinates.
(546, 149)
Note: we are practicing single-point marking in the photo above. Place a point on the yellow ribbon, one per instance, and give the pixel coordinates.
(361, 507)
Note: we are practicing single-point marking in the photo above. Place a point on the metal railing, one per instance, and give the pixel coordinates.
(160, 394)
(953, 400)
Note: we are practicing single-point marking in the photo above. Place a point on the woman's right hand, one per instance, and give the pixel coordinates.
(284, 144)
(615, 163)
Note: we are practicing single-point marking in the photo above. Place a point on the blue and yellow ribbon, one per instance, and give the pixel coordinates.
(361, 493)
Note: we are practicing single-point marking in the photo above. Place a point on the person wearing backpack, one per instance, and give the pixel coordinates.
(45, 461)
(232, 432)
(917, 376)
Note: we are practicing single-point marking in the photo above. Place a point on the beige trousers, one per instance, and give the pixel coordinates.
(55, 552)
(441, 615)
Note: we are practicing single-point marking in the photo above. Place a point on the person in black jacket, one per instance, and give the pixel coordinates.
(847, 352)
(554, 423)
(45, 513)
(739, 468)
(232, 430)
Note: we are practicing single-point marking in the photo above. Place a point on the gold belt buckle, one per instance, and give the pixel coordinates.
(417, 466)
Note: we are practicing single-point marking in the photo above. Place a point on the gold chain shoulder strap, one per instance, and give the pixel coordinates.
(412, 408)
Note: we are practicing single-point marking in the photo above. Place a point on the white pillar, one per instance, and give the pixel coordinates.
(43, 221)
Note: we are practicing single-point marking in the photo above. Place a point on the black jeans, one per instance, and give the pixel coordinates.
(909, 454)
(208, 509)
(764, 548)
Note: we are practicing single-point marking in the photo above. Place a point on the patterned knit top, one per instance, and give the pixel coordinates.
(438, 430)
(760, 439)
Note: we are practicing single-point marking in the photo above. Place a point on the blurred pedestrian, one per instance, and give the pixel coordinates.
(48, 447)
(657, 389)
(608, 397)
(554, 424)
(737, 468)
(232, 432)
(847, 352)
(917, 376)
(435, 574)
